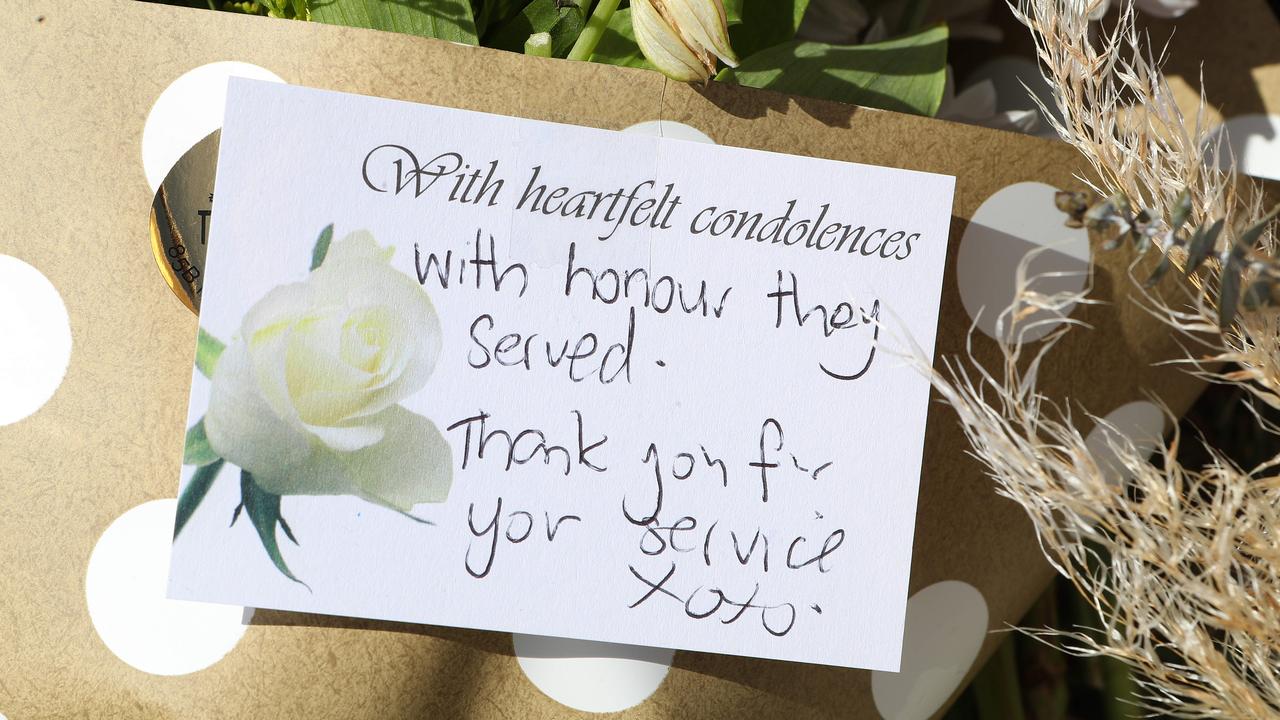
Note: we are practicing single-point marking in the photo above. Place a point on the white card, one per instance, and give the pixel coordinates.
(558, 380)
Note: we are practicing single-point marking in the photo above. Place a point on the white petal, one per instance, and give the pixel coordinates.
(358, 245)
(347, 438)
(703, 24)
(412, 464)
(358, 281)
(241, 426)
(663, 46)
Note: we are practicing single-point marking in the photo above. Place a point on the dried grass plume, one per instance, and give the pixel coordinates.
(1182, 564)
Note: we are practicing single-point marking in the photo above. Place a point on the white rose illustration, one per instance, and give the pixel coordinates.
(305, 397)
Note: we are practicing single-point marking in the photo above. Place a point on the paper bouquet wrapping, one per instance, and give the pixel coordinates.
(96, 104)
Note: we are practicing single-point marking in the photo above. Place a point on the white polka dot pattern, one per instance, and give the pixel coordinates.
(1141, 422)
(125, 592)
(669, 129)
(1254, 141)
(592, 676)
(35, 340)
(187, 111)
(1017, 220)
(946, 624)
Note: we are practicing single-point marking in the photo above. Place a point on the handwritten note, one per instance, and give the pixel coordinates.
(482, 371)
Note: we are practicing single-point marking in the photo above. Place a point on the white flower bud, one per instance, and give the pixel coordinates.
(683, 38)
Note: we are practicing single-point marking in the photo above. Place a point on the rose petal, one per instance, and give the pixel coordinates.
(349, 438)
(412, 464)
(241, 426)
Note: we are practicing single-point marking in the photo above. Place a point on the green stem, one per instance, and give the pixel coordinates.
(538, 45)
(591, 34)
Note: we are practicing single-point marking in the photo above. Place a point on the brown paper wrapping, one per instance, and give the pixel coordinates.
(76, 87)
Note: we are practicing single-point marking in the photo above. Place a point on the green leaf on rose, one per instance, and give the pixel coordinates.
(208, 350)
(563, 22)
(197, 450)
(618, 46)
(194, 492)
(443, 19)
(758, 24)
(321, 248)
(263, 509)
(906, 74)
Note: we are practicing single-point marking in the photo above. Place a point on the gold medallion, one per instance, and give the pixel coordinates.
(180, 220)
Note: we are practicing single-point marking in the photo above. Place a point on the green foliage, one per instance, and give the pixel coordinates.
(759, 24)
(289, 9)
(905, 74)
(443, 19)
(489, 13)
(618, 43)
(562, 20)
(1115, 219)
(263, 509)
(194, 492)
(321, 248)
(197, 450)
(753, 25)
(208, 350)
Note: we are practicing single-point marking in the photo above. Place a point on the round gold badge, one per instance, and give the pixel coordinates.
(180, 220)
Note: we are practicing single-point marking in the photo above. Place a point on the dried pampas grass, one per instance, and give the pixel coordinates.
(1181, 564)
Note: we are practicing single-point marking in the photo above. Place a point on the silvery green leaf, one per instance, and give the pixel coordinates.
(1161, 268)
(1201, 245)
(1229, 291)
(1181, 211)
(906, 74)
(1250, 236)
(1103, 213)
(197, 450)
(1257, 295)
(194, 493)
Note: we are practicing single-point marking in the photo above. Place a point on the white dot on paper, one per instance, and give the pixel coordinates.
(35, 340)
(592, 676)
(669, 129)
(946, 623)
(125, 592)
(187, 111)
(1015, 221)
(1254, 141)
(1141, 422)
